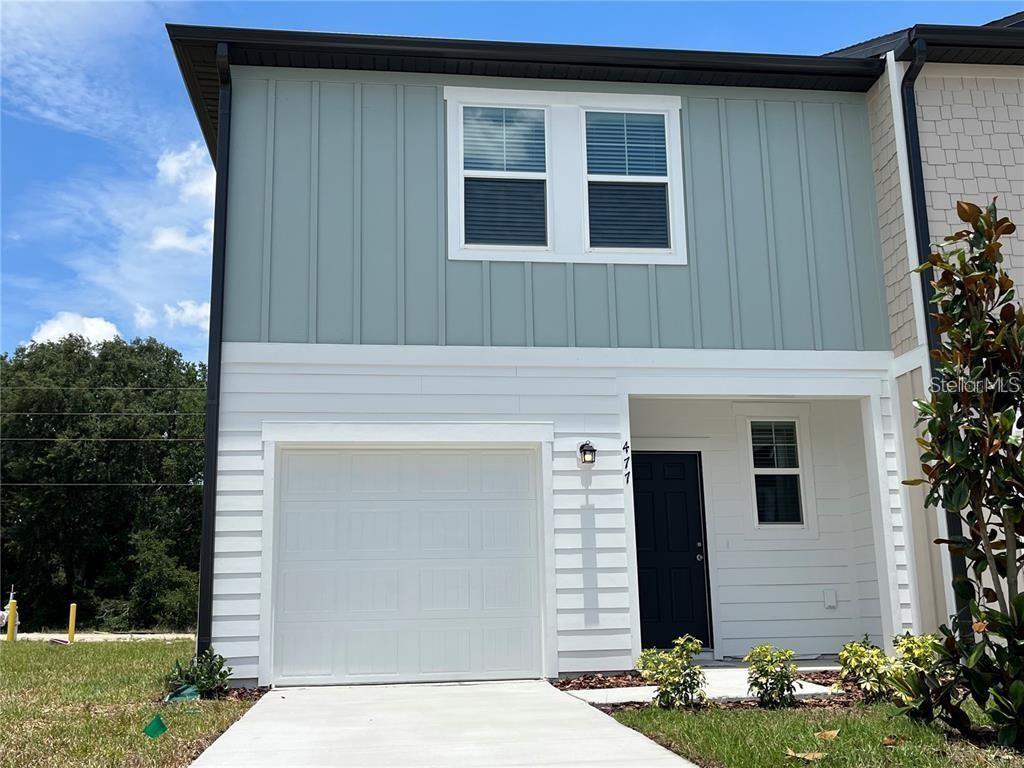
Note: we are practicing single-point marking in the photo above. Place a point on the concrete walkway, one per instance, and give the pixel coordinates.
(470, 725)
(723, 684)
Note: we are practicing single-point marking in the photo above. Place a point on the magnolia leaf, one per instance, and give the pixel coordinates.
(893, 741)
(827, 735)
(968, 212)
(806, 756)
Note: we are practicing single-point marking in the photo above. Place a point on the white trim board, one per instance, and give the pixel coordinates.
(415, 432)
(631, 359)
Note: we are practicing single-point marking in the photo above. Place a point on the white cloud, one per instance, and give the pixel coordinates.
(177, 239)
(95, 329)
(60, 67)
(134, 245)
(136, 233)
(188, 313)
(144, 318)
(190, 171)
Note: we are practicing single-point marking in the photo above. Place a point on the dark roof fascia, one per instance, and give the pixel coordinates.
(1001, 34)
(966, 45)
(194, 46)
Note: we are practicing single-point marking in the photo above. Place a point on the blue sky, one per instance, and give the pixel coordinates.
(105, 185)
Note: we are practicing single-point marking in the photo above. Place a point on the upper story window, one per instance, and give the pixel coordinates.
(556, 176)
(627, 180)
(504, 179)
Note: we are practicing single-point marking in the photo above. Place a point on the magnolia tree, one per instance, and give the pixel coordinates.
(971, 463)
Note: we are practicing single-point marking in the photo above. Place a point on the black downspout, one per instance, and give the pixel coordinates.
(958, 564)
(204, 634)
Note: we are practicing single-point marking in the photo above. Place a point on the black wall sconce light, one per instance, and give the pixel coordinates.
(588, 453)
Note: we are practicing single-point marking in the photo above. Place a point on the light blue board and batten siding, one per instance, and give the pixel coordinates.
(336, 226)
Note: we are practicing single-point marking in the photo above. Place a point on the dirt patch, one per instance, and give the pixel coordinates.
(247, 694)
(589, 682)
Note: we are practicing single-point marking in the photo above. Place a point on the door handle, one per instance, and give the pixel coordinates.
(700, 558)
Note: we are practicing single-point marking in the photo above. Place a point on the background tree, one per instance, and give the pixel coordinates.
(101, 459)
(971, 462)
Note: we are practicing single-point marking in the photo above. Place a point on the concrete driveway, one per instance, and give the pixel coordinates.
(469, 725)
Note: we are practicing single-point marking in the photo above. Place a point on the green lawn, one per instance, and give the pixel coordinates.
(86, 705)
(753, 738)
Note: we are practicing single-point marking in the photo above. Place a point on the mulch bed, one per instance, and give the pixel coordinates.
(247, 694)
(589, 682)
(850, 695)
(833, 702)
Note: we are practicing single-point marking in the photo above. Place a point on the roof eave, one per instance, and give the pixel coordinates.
(502, 59)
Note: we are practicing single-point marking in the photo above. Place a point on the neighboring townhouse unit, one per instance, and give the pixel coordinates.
(524, 357)
(947, 119)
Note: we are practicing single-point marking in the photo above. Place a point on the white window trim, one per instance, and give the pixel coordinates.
(568, 230)
(799, 414)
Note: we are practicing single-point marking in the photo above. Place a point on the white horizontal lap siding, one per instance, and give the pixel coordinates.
(591, 588)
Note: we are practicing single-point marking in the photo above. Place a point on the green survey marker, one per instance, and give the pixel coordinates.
(156, 727)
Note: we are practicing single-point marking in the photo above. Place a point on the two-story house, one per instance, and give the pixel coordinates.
(525, 357)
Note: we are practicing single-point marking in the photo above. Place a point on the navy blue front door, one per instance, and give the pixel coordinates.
(671, 548)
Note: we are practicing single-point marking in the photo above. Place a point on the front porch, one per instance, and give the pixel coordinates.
(759, 520)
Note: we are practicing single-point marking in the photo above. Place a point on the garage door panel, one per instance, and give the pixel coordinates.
(509, 647)
(444, 474)
(309, 530)
(372, 591)
(445, 530)
(433, 577)
(308, 592)
(373, 651)
(504, 530)
(509, 588)
(506, 475)
(378, 474)
(309, 474)
(372, 531)
(300, 652)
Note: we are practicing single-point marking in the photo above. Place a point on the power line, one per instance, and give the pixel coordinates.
(100, 485)
(116, 389)
(102, 439)
(102, 413)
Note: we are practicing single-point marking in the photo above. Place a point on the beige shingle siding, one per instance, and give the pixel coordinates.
(972, 147)
(892, 228)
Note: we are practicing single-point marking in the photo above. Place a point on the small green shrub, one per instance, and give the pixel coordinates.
(771, 676)
(916, 663)
(866, 666)
(917, 651)
(680, 682)
(208, 672)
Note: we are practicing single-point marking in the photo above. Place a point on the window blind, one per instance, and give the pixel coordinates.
(505, 212)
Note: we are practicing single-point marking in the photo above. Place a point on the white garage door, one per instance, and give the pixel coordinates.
(405, 565)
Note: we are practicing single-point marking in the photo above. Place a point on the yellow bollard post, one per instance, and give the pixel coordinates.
(71, 622)
(12, 621)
